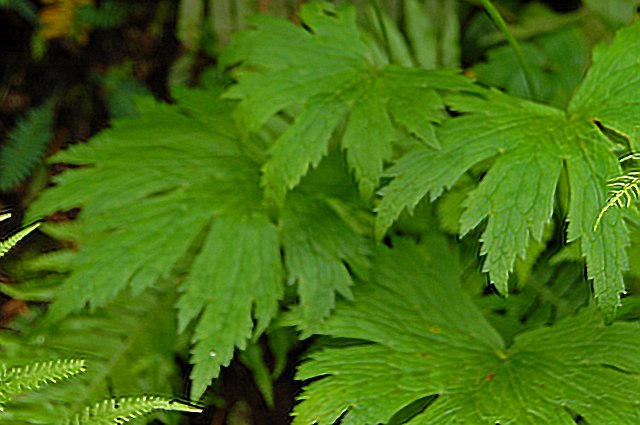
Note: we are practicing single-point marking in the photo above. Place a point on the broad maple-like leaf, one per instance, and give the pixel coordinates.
(423, 337)
(326, 69)
(531, 145)
(150, 190)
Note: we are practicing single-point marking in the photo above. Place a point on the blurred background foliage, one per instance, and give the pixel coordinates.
(68, 66)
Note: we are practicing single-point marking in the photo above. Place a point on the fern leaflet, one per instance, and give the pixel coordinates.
(19, 379)
(11, 241)
(625, 189)
(121, 410)
(26, 145)
(128, 346)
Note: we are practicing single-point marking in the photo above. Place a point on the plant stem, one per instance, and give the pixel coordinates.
(383, 28)
(502, 25)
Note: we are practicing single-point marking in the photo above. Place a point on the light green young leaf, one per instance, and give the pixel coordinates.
(328, 70)
(424, 338)
(531, 144)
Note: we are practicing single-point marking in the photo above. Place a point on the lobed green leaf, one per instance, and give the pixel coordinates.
(421, 337)
(529, 145)
(327, 70)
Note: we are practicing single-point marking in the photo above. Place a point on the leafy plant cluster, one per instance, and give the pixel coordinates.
(343, 183)
(19, 379)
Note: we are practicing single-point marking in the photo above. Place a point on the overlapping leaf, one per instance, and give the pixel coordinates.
(531, 144)
(327, 70)
(322, 228)
(148, 189)
(318, 248)
(425, 338)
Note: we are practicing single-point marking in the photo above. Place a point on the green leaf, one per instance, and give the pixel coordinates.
(26, 145)
(151, 189)
(609, 92)
(326, 70)
(424, 338)
(238, 270)
(320, 249)
(529, 145)
(517, 208)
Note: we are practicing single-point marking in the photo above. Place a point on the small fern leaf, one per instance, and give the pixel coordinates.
(11, 241)
(625, 188)
(121, 410)
(19, 379)
(26, 145)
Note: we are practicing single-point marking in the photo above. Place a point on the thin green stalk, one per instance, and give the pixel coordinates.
(383, 28)
(502, 25)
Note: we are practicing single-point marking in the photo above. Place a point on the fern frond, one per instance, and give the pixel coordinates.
(633, 156)
(122, 410)
(4, 216)
(128, 344)
(26, 145)
(11, 241)
(625, 189)
(19, 379)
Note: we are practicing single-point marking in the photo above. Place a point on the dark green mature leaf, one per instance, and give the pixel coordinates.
(531, 144)
(148, 188)
(425, 338)
(328, 71)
